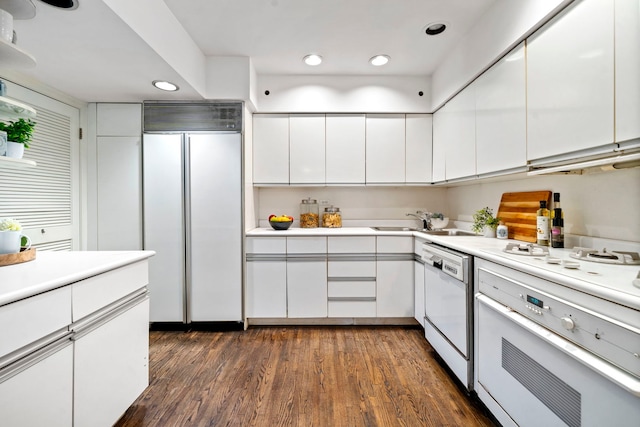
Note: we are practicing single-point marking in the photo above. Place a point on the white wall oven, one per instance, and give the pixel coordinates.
(548, 354)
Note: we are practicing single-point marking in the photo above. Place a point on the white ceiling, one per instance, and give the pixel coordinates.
(91, 54)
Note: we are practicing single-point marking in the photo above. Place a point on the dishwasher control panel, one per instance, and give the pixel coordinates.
(452, 263)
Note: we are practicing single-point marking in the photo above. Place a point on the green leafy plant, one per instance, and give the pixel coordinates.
(20, 131)
(484, 218)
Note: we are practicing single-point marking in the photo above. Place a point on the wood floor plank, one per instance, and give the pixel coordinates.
(300, 376)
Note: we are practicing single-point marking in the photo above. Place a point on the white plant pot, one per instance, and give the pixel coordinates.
(15, 149)
(489, 232)
(10, 242)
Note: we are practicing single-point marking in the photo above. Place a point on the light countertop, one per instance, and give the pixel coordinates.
(51, 270)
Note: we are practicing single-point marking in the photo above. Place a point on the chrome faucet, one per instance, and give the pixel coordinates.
(425, 217)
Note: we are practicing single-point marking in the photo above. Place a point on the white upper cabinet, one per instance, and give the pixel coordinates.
(306, 148)
(460, 135)
(441, 126)
(271, 148)
(385, 148)
(570, 76)
(627, 81)
(418, 146)
(345, 149)
(119, 119)
(501, 118)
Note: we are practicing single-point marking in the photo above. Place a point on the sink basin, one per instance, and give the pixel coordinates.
(448, 232)
(391, 228)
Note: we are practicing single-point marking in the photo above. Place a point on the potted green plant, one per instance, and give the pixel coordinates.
(484, 222)
(19, 135)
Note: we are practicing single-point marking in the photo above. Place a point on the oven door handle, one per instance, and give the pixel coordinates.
(607, 370)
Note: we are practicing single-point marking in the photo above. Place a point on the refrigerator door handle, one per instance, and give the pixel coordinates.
(186, 176)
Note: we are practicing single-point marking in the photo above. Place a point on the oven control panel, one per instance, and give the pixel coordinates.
(608, 338)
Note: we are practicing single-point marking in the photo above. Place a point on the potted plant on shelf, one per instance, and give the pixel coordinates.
(484, 222)
(19, 135)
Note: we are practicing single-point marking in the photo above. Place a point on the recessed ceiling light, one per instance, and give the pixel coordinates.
(312, 60)
(164, 85)
(435, 28)
(379, 60)
(63, 4)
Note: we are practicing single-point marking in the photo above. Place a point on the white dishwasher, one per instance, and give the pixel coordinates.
(448, 305)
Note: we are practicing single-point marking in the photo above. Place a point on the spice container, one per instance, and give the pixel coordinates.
(331, 217)
(502, 231)
(309, 216)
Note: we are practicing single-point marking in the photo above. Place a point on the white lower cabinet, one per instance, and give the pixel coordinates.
(266, 294)
(394, 296)
(336, 276)
(111, 367)
(307, 288)
(266, 278)
(42, 393)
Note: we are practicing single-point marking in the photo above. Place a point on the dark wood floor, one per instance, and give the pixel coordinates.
(299, 376)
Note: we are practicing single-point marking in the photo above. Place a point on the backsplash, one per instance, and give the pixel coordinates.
(355, 203)
(599, 204)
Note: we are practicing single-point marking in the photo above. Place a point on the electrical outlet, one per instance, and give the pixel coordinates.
(324, 202)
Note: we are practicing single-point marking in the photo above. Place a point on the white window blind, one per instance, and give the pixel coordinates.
(44, 198)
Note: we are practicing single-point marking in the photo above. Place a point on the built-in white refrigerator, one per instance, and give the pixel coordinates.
(192, 186)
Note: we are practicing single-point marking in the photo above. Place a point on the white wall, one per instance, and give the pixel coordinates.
(598, 204)
(343, 94)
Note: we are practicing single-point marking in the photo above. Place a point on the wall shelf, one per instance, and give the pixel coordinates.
(11, 109)
(11, 163)
(12, 56)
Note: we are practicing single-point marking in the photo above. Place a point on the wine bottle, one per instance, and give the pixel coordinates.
(542, 224)
(557, 223)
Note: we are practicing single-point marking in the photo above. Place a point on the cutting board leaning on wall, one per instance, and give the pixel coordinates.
(518, 211)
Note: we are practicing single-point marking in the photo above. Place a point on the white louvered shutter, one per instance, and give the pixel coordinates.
(45, 198)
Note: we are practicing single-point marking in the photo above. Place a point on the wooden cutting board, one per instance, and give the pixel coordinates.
(518, 211)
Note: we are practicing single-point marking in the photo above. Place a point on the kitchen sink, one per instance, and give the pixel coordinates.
(391, 228)
(448, 232)
(431, 232)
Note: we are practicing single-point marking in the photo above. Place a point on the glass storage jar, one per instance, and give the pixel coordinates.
(309, 214)
(331, 218)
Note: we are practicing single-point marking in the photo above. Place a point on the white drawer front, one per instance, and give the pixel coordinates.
(306, 245)
(97, 292)
(34, 318)
(395, 244)
(352, 289)
(266, 245)
(352, 309)
(417, 245)
(351, 269)
(352, 245)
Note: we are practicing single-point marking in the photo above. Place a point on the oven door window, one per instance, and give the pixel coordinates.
(538, 384)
